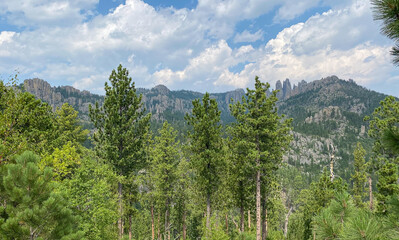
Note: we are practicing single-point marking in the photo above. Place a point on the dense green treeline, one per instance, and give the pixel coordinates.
(212, 182)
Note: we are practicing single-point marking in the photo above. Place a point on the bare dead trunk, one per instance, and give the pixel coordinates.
(371, 193)
(120, 224)
(208, 212)
(249, 219)
(258, 208)
(242, 217)
(152, 223)
(184, 226)
(287, 217)
(130, 227)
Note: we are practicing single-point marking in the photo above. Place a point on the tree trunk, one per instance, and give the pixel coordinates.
(371, 193)
(258, 208)
(242, 218)
(120, 224)
(130, 227)
(184, 226)
(249, 219)
(159, 226)
(208, 212)
(287, 217)
(265, 225)
(167, 230)
(152, 223)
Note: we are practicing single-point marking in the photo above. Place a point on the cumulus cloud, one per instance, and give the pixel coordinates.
(246, 36)
(45, 13)
(190, 49)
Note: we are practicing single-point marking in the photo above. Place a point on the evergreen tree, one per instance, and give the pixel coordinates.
(266, 135)
(383, 119)
(67, 127)
(388, 12)
(121, 125)
(33, 209)
(359, 177)
(240, 180)
(164, 168)
(205, 145)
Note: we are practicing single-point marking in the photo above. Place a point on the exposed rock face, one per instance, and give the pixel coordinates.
(279, 87)
(56, 96)
(286, 89)
(160, 101)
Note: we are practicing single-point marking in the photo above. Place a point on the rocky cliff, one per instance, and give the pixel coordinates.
(326, 111)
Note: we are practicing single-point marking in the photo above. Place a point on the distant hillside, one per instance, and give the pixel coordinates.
(327, 111)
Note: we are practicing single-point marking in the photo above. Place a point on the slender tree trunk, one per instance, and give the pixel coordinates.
(120, 224)
(159, 226)
(152, 223)
(208, 212)
(287, 217)
(249, 219)
(130, 226)
(265, 225)
(184, 226)
(242, 217)
(371, 193)
(167, 230)
(258, 208)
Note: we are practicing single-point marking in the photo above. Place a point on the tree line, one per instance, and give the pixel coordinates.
(214, 184)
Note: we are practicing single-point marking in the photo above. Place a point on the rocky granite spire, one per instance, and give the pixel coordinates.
(286, 89)
(279, 87)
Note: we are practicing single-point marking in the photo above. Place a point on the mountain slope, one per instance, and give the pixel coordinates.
(326, 112)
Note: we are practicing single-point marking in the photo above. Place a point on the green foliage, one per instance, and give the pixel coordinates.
(92, 196)
(391, 140)
(311, 202)
(364, 225)
(387, 185)
(63, 161)
(33, 208)
(121, 124)
(215, 232)
(388, 11)
(359, 177)
(68, 127)
(384, 118)
(25, 122)
(205, 144)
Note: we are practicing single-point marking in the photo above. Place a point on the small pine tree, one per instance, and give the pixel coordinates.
(34, 210)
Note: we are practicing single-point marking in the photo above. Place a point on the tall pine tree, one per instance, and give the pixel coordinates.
(121, 125)
(205, 145)
(266, 133)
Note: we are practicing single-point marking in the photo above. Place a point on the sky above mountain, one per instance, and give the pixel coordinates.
(202, 45)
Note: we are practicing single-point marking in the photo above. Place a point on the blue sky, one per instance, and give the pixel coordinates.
(201, 45)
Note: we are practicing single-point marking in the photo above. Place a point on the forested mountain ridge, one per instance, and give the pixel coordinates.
(327, 111)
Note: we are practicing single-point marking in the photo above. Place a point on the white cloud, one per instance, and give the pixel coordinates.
(45, 13)
(189, 48)
(293, 8)
(246, 36)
